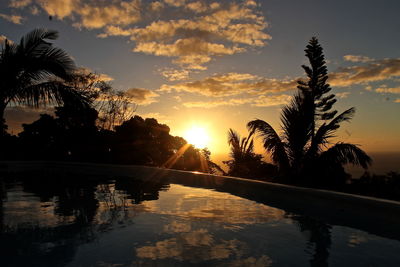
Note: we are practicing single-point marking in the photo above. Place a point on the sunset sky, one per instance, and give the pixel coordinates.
(218, 64)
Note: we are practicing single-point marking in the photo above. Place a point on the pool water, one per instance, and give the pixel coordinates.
(129, 222)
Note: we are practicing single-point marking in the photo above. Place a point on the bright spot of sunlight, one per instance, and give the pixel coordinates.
(197, 136)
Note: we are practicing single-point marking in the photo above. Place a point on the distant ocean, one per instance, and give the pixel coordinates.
(383, 162)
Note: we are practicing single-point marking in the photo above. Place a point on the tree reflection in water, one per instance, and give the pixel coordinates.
(319, 239)
(83, 209)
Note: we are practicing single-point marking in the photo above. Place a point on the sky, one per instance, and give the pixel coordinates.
(219, 64)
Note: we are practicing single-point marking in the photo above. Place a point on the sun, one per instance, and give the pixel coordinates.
(197, 136)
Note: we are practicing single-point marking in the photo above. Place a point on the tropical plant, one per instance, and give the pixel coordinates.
(33, 73)
(244, 161)
(308, 124)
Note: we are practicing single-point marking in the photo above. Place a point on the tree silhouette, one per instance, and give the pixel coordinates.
(244, 162)
(308, 124)
(33, 72)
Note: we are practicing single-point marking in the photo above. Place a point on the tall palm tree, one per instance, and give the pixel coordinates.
(308, 125)
(33, 73)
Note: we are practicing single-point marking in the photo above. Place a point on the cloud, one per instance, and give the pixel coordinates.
(100, 14)
(175, 3)
(249, 86)
(142, 96)
(377, 70)
(175, 75)
(105, 77)
(19, 3)
(232, 84)
(343, 94)
(269, 101)
(156, 6)
(90, 14)
(34, 10)
(194, 246)
(60, 8)
(357, 58)
(194, 40)
(2, 39)
(217, 103)
(197, 6)
(191, 32)
(263, 260)
(12, 18)
(260, 101)
(395, 90)
(190, 52)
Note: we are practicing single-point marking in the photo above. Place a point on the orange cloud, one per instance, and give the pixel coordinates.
(12, 18)
(388, 90)
(231, 27)
(2, 39)
(232, 84)
(175, 3)
(260, 101)
(142, 96)
(89, 14)
(19, 3)
(199, 31)
(175, 75)
(343, 94)
(377, 70)
(357, 58)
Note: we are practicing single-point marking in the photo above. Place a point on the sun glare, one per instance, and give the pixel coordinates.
(197, 136)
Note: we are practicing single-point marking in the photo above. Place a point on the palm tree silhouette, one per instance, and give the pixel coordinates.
(33, 73)
(308, 124)
(244, 161)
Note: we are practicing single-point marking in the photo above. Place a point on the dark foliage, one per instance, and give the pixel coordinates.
(304, 152)
(244, 161)
(72, 135)
(381, 186)
(33, 73)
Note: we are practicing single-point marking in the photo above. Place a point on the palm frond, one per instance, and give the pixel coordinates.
(52, 92)
(33, 43)
(297, 123)
(234, 143)
(272, 141)
(326, 131)
(344, 153)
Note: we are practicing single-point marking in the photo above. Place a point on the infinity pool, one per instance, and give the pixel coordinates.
(129, 222)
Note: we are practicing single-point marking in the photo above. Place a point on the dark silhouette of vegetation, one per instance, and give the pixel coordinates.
(244, 162)
(92, 122)
(72, 135)
(381, 186)
(34, 73)
(304, 153)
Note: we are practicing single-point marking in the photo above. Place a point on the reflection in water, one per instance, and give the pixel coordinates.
(319, 239)
(83, 221)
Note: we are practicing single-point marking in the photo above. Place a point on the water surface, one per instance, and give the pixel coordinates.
(85, 221)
